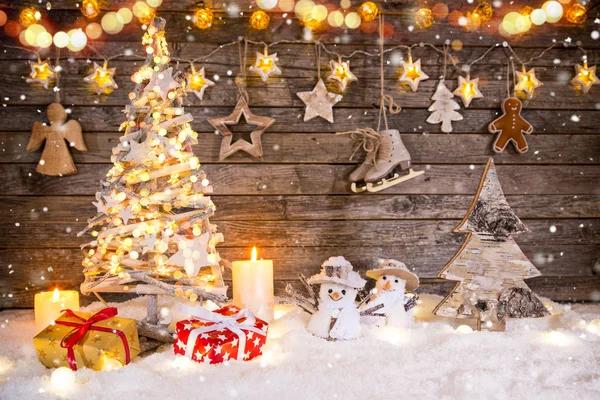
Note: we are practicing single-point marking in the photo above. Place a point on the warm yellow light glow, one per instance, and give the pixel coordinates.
(90, 8)
(368, 11)
(55, 296)
(203, 18)
(29, 16)
(266, 4)
(424, 18)
(464, 329)
(77, 40)
(124, 15)
(253, 256)
(352, 20)
(335, 18)
(585, 76)
(44, 40)
(260, 20)
(61, 39)
(62, 378)
(538, 16)
(554, 11)
(483, 12)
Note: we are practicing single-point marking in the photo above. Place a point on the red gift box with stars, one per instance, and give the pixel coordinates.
(229, 333)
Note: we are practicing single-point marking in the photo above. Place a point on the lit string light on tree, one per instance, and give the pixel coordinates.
(265, 65)
(102, 78)
(340, 72)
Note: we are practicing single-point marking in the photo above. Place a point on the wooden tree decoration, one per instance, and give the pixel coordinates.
(56, 159)
(443, 109)
(490, 267)
(152, 233)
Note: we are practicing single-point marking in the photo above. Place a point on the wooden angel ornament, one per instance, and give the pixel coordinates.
(56, 159)
(510, 127)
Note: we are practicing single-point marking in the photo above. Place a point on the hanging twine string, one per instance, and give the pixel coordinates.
(57, 73)
(240, 80)
(383, 98)
(318, 57)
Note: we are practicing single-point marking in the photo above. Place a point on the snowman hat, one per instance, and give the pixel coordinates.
(338, 270)
(395, 268)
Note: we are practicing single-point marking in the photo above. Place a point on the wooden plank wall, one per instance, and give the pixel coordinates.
(296, 205)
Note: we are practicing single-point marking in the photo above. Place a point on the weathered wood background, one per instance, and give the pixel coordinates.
(296, 205)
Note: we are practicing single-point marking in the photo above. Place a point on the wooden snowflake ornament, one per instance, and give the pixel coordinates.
(56, 160)
(266, 65)
(41, 72)
(585, 76)
(412, 73)
(443, 109)
(102, 78)
(319, 102)
(527, 82)
(197, 83)
(340, 72)
(221, 123)
(468, 90)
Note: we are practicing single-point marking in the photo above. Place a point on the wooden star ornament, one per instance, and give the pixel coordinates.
(585, 76)
(197, 83)
(266, 65)
(340, 72)
(468, 90)
(162, 83)
(412, 73)
(191, 254)
(527, 82)
(41, 72)
(221, 123)
(319, 102)
(102, 78)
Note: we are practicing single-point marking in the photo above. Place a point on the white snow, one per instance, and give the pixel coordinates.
(548, 358)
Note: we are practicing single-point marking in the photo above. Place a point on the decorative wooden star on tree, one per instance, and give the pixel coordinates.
(261, 122)
(340, 72)
(468, 90)
(319, 102)
(527, 82)
(412, 73)
(265, 65)
(162, 82)
(41, 72)
(102, 78)
(197, 83)
(585, 77)
(192, 254)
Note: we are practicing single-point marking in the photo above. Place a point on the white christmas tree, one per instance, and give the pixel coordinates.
(152, 234)
(444, 108)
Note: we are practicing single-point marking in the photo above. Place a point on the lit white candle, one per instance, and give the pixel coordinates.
(48, 306)
(253, 286)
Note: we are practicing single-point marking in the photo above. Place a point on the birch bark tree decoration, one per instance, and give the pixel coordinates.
(443, 108)
(490, 268)
(152, 232)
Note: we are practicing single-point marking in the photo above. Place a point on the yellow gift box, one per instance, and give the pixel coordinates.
(79, 339)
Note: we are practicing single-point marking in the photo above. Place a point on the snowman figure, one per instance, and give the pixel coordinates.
(393, 281)
(337, 317)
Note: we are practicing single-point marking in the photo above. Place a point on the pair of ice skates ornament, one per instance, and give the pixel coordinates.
(387, 165)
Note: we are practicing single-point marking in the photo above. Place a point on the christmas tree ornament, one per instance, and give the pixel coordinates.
(90, 8)
(527, 82)
(221, 125)
(319, 102)
(585, 77)
(412, 73)
(511, 126)
(443, 109)
(152, 233)
(260, 20)
(266, 65)
(393, 280)
(368, 11)
(203, 18)
(197, 82)
(340, 72)
(56, 160)
(490, 268)
(468, 89)
(102, 78)
(42, 72)
(29, 16)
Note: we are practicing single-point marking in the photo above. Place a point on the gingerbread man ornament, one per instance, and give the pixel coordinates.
(56, 159)
(511, 127)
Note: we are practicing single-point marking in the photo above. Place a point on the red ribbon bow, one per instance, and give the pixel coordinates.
(74, 336)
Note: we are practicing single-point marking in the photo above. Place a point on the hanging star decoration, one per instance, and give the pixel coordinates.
(191, 254)
(197, 83)
(261, 122)
(102, 78)
(41, 72)
(139, 151)
(412, 73)
(340, 72)
(162, 83)
(527, 82)
(266, 65)
(319, 102)
(468, 90)
(585, 76)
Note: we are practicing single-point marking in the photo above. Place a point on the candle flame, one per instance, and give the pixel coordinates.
(55, 296)
(253, 257)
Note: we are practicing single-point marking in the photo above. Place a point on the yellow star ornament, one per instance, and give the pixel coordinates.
(41, 72)
(102, 78)
(340, 72)
(412, 73)
(468, 90)
(197, 83)
(527, 82)
(265, 65)
(585, 77)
